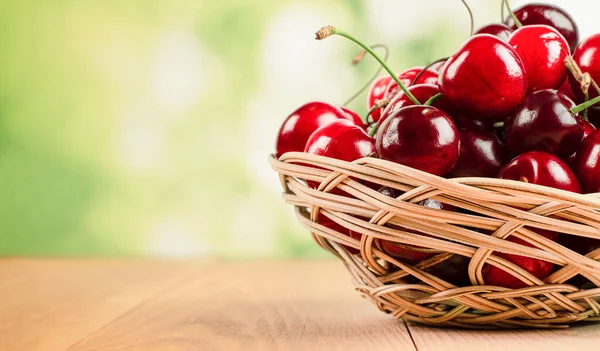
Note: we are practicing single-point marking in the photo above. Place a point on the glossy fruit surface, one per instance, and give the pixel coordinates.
(429, 76)
(354, 117)
(421, 92)
(549, 15)
(588, 128)
(587, 57)
(342, 140)
(538, 268)
(297, 127)
(420, 137)
(376, 93)
(587, 163)
(472, 125)
(541, 168)
(481, 155)
(496, 29)
(543, 51)
(543, 123)
(485, 79)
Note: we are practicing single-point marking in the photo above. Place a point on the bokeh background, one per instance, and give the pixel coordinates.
(142, 128)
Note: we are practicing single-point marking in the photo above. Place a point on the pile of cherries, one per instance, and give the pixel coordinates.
(516, 101)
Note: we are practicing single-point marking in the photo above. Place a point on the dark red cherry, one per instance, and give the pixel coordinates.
(496, 29)
(566, 90)
(420, 137)
(538, 268)
(354, 117)
(481, 155)
(594, 116)
(587, 163)
(409, 252)
(544, 123)
(541, 168)
(543, 51)
(297, 127)
(588, 128)
(407, 77)
(587, 57)
(549, 15)
(472, 125)
(376, 93)
(421, 92)
(485, 79)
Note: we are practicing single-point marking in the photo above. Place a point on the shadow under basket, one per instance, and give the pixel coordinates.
(448, 287)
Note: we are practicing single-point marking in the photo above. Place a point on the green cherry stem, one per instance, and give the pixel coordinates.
(374, 130)
(432, 99)
(426, 67)
(328, 31)
(357, 59)
(502, 11)
(585, 112)
(512, 14)
(470, 16)
(575, 110)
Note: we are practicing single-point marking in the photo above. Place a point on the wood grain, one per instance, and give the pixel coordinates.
(50, 304)
(580, 337)
(256, 306)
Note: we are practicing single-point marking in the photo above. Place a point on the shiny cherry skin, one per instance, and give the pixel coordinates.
(587, 163)
(496, 29)
(421, 137)
(437, 66)
(538, 268)
(421, 92)
(485, 79)
(544, 123)
(543, 51)
(566, 90)
(481, 155)
(541, 168)
(588, 128)
(411, 253)
(549, 15)
(354, 117)
(407, 77)
(297, 127)
(377, 92)
(587, 57)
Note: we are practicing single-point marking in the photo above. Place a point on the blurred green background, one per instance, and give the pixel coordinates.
(142, 128)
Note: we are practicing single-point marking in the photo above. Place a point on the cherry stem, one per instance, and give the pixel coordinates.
(358, 59)
(502, 11)
(575, 110)
(585, 112)
(512, 14)
(378, 104)
(584, 79)
(470, 16)
(330, 30)
(499, 125)
(426, 68)
(432, 99)
(374, 130)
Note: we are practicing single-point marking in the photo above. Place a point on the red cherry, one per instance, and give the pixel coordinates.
(544, 123)
(422, 92)
(420, 137)
(485, 79)
(496, 29)
(538, 268)
(437, 66)
(587, 57)
(429, 76)
(588, 128)
(297, 127)
(549, 15)
(342, 140)
(481, 155)
(541, 168)
(543, 51)
(376, 93)
(354, 117)
(566, 90)
(587, 163)
(472, 125)
(408, 252)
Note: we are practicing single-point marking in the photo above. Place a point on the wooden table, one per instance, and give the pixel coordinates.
(209, 305)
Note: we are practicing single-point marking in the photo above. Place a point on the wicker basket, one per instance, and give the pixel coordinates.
(414, 291)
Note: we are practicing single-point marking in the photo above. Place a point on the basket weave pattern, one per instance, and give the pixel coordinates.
(501, 207)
